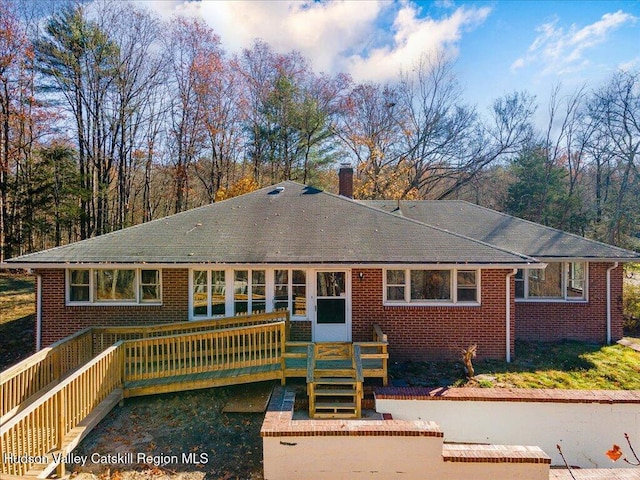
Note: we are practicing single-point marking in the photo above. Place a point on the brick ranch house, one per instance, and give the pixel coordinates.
(437, 276)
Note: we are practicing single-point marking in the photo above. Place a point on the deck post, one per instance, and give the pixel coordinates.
(62, 426)
(56, 365)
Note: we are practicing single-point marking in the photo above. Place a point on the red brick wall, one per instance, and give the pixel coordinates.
(59, 320)
(552, 321)
(434, 333)
(301, 330)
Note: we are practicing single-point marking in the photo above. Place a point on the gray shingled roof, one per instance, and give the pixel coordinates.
(502, 230)
(286, 223)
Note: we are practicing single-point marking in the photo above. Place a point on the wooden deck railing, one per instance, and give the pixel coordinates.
(25, 379)
(194, 353)
(374, 356)
(104, 337)
(47, 396)
(41, 427)
(49, 365)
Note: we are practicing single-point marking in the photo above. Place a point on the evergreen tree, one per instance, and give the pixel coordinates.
(540, 193)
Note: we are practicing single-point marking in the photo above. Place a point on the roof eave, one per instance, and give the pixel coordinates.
(582, 258)
(362, 264)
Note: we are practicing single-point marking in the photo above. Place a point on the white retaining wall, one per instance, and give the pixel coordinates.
(585, 431)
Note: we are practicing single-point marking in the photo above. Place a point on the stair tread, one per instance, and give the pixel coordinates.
(334, 392)
(350, 405)
(335, 415)
(335, 381)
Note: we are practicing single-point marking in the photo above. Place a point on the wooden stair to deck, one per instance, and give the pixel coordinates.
(334, 380)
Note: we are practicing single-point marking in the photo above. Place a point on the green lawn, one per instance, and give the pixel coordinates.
(569, 365)
(16, 297)
(17, 318)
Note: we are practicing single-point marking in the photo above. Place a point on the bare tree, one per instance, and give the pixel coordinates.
(615, 145)
(139, 74)
(189, 46)
(445, 141)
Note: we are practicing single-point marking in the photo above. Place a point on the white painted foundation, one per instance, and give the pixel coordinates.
(383, 457)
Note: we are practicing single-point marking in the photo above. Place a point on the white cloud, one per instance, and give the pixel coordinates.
(561, 51)
(336, 35)
(632, 64)
(414, 36)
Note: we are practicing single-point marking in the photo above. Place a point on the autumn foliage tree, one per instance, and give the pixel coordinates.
(111, 116)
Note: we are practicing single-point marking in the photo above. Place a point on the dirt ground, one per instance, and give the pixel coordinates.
(182, 436)
(18, 340)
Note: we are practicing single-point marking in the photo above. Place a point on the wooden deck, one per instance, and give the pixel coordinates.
(51, 400)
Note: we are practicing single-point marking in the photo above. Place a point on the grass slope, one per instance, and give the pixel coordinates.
(569, 365)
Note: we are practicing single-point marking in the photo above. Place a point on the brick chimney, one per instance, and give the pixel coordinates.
(345, 180)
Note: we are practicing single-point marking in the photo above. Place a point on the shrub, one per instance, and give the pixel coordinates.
(631, 308)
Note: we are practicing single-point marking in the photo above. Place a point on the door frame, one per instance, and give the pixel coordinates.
(314, 299)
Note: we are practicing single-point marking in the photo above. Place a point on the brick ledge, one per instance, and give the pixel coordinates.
(471, 453)
(278, 422)
(509, 395)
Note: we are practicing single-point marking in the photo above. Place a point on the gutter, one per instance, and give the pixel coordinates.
(508, 310)
(609, 270)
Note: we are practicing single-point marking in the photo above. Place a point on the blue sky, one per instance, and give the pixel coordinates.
(499, 46)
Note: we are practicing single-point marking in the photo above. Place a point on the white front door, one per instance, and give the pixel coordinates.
(332, 302)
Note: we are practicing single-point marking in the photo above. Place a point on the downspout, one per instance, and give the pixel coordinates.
(609, 270)
(38, 312)
(508, 309)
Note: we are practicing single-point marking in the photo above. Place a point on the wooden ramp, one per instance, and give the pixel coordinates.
(53, 399)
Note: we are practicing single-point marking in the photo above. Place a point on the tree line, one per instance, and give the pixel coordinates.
(110, 116)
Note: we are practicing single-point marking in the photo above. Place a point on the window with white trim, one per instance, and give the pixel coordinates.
(149, 286)
(208, 293)
(79, 285)
(290, 291)
(467, 286)
(560, 281)
(396, 285)
(113, 286)
(431, 286)
(249, 291)
(576, 279)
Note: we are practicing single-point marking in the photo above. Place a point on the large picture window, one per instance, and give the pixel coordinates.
(113, 285)
(431, 286)
(558, 282)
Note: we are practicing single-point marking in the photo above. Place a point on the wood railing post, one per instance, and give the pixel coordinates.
(288, 326)
(121, 364)
(62, 426)
(56, 364)
(282, 349)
